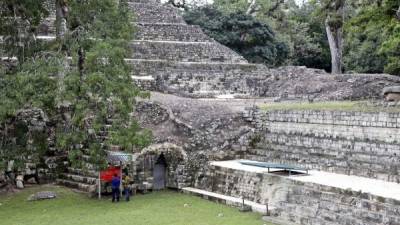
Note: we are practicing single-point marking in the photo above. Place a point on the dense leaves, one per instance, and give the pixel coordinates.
(370, 30)
(82, 83)
(373, 39)
(19, 20)
(243, 33)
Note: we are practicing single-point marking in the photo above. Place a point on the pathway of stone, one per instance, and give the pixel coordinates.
(345, 182)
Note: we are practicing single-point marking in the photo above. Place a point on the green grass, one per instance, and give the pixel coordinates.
(359, 106)
(160, 208)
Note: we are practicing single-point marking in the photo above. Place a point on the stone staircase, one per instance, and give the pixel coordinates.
(170, 32)
(86, 180)
(184, 51)
(82, 180)
(170, 56)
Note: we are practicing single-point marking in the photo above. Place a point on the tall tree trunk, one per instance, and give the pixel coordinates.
(61, 30)
(61, 18)
(335, 39)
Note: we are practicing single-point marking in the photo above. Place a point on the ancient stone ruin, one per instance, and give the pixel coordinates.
(392, 94)
(170, 56)
(205, 121)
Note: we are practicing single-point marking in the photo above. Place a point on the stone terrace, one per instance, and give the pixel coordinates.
(171, 56)
(181, 57)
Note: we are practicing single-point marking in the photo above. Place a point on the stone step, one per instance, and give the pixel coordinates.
(155, 13)
(87, 173)
(228, 200)
(47, 26)
(77, 185)
(170, 32)
(199, 79)
(207, 70)
(79, 178)
(184, 51)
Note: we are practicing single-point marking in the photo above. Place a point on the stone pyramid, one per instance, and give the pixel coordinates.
(169, 55)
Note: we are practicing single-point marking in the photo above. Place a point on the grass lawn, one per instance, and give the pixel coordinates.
(360, 106)
(159, 208)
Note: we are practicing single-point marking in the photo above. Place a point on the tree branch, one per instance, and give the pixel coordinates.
(252, 7)
(275, 7)
(182, 4)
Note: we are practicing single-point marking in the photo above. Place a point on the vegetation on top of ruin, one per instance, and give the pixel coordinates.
(348, 106)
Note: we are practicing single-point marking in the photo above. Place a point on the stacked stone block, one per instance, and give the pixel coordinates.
(170, 32)
(300, 202)
(355, 143)
(183, 51)
(181, 58)
(150, 12)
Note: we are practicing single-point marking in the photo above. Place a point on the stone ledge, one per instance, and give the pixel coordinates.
(155, 13)
(170, 32)
(184, 51)
(228, 200)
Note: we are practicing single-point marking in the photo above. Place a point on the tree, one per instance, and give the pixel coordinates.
(294, 25)
(256, 8)
(305, 35)
(334, 13)
(372, 36)
(100, 88)
(242, 33)
(97, 89)
(398, 13)
(61, 18)
(179, 4)
(19, 21)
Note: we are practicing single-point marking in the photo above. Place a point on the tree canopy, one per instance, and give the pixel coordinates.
(79, 80)
(241, 32)
(364, 34)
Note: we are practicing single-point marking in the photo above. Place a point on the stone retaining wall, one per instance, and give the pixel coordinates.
(300, 202)
(357, 143)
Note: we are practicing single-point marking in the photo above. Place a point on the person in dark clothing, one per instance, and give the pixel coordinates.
(115, 184)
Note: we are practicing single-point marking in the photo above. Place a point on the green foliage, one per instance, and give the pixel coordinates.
(231, 6)
(373, 39)
(18, 22)
(102, 91)
(295, 27)
(33, 86)
(305, 34)
(255, 140)
(243, 33)
(82, 84)
(390, 48)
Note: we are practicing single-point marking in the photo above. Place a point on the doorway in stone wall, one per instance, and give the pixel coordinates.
(160, 173)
